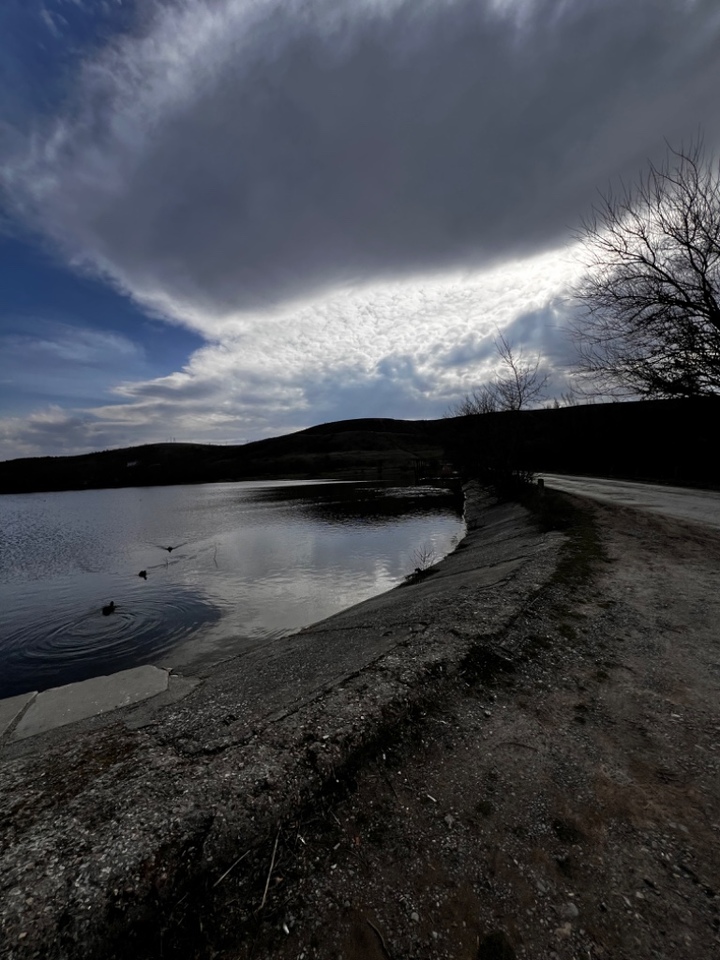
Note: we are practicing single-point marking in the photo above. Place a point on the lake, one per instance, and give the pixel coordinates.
(225, 566)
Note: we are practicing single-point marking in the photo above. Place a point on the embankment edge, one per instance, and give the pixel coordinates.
(114, 833)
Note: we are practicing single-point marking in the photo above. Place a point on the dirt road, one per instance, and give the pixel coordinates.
(561, 802)
(698, 506)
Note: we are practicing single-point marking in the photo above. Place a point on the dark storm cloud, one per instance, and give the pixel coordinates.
(236, 155)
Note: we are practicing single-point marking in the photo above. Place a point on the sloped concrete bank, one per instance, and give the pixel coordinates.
(114, 832)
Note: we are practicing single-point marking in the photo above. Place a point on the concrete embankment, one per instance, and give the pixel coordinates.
(110, 823)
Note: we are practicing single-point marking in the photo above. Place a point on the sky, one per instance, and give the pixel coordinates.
(222, 220)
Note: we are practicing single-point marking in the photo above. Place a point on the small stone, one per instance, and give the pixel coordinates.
(569, 912)
(415, 916)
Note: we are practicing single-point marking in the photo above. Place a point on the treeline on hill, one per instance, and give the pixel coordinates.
(670, 441)
(665, 440)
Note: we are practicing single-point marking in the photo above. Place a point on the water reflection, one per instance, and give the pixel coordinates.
(251, 561)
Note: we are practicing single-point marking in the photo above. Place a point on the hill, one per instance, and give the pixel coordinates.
(665, 440)
(377, 449)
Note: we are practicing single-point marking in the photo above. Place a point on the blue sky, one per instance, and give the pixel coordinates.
(228, 219)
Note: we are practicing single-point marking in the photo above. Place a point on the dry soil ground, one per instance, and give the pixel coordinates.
(561, 801)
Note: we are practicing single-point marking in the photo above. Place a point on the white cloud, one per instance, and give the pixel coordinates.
(52, 431)
(400, 349)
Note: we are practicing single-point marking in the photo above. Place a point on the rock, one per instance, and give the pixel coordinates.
(415, 916)
(569, 911)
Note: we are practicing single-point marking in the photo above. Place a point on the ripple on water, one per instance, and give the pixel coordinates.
(250, 562)
(66, 638)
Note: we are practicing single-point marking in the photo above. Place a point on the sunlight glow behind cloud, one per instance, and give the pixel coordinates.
(403, 348)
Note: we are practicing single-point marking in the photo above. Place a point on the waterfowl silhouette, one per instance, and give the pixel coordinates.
(170, 549)
(108, 608)
(143, 574)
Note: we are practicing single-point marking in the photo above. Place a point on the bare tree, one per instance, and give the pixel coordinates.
(523, 382)
(651, 291)
(480, 400)
(520, 385)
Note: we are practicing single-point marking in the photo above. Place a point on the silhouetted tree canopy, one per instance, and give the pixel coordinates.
(651, 293)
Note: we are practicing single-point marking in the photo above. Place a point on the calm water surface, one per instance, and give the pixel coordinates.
(250, 562)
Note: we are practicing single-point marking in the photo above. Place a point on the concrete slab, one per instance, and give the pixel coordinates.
(88, 698)
(11, 708)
